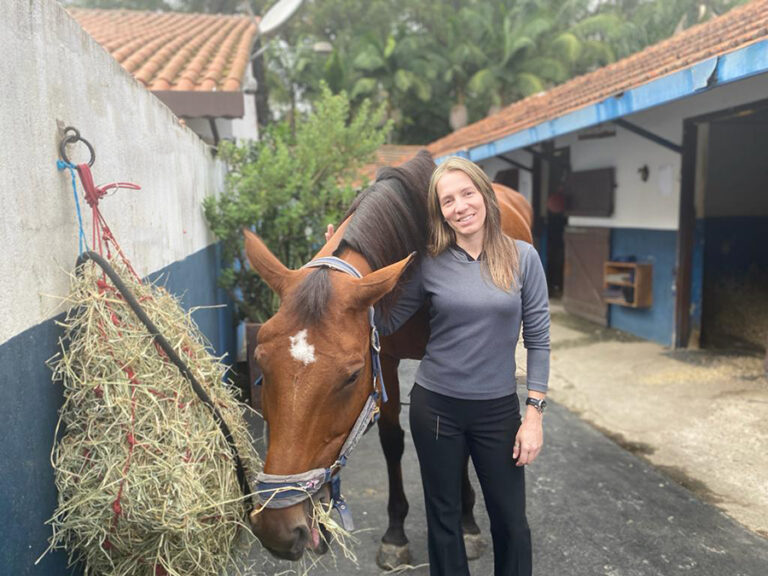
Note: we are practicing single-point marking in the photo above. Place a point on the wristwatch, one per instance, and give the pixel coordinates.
(538, 403)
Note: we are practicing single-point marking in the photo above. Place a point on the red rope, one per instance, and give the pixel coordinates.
(101, 234)
(102, 237)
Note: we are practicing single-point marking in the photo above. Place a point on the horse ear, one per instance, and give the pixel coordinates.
(266, 264)
(376, 285)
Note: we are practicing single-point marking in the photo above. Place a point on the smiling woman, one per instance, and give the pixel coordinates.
(480, 286)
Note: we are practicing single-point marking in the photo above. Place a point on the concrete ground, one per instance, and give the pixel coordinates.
(655, 463)
(698, 416)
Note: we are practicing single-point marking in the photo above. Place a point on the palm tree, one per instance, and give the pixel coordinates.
(392, 71)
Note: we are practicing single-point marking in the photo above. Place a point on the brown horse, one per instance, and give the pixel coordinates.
(315, 351)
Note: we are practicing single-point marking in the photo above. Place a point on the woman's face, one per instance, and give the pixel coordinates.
(462, 205)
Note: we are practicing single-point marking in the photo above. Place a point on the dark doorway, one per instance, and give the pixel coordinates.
(559, 169)
(734, 230)
(510, 177)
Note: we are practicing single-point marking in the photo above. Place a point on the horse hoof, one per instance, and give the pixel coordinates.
(391, 556)
(475, 545)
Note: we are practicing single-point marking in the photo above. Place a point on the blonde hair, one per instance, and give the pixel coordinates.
(500, 251)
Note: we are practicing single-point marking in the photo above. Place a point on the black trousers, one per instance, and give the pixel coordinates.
(444, 431)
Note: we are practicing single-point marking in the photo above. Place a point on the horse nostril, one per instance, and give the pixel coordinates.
(301, 537)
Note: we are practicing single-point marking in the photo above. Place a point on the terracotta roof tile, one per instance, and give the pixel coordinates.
(174, 51)
(735, 29)
(389, 155)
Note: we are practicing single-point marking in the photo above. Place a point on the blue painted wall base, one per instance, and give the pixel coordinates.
(658, 247)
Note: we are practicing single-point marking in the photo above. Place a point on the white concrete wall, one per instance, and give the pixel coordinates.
(652, 204)
(55, 75)
(245, 128)
(493, 165)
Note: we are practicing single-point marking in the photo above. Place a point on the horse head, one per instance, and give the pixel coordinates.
(315, 354)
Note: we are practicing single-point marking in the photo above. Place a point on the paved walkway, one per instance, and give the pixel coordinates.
(700, 416)
(594, 509)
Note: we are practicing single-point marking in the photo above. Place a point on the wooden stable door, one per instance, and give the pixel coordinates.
(586, 250)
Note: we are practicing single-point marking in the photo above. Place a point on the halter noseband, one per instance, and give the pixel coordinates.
(283, 490)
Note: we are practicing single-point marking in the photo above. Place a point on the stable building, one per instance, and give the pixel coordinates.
(649, 184)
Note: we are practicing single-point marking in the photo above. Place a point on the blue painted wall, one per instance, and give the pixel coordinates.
(29, 404)
(697, 275)
(658, 247)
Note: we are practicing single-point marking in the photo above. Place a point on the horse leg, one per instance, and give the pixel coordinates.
(474, 543)
(393, 550)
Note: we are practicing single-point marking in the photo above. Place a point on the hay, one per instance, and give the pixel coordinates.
(147, 482)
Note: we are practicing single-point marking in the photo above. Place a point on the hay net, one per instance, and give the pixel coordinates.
(146, 479)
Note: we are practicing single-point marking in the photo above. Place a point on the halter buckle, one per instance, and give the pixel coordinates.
(375, 343)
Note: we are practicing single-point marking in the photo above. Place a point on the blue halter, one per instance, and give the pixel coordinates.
(280, 490)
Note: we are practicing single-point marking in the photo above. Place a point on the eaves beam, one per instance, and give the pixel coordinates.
(647, 134)
(514, 163)
(548, 157)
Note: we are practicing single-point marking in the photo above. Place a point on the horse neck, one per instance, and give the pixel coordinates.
(351, 256)
(357, 260)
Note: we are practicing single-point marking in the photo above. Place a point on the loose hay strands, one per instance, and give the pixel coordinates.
(331, 532)
(146, 480)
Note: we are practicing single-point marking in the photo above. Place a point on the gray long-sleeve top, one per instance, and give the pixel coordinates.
(475, 326)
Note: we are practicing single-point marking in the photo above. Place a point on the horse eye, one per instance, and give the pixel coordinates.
(353, 378)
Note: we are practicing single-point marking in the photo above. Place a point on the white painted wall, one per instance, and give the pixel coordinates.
(245, 128)
(54, 75)
(493, 165)
(653, 204)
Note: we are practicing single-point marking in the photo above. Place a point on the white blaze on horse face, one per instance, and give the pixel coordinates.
(302, 350)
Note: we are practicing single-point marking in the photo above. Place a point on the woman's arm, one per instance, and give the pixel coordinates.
(535, 303)
(409, 300)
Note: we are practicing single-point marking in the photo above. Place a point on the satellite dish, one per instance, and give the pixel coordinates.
(278, 15)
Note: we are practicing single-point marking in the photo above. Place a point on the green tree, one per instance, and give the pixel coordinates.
(391, 72)
(660, 19)
(286, 187)
(424, 60)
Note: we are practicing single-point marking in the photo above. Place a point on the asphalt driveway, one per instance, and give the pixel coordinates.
(594, 509)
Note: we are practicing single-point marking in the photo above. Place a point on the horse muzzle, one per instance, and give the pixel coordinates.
(288, 532)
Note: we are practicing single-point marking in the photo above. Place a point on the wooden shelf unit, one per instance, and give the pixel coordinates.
(635, 279)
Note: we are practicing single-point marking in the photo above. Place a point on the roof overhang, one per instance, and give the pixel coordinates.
(698, 78)
(195, 104)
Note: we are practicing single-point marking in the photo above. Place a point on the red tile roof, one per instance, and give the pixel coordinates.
(389, 155)
(735, 29)
(174, 51)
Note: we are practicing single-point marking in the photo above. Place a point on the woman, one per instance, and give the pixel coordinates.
(480, 286)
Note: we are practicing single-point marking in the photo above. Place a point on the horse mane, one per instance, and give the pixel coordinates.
(390, 216)
(390, 222)
(311, 297)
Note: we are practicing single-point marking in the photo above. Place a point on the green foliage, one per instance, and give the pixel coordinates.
(286, 188)
(418, 58)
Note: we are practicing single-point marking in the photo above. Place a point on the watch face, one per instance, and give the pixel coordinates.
(537, 403)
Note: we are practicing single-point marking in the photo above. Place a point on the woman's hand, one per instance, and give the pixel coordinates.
(328, 232)
(529, 439)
